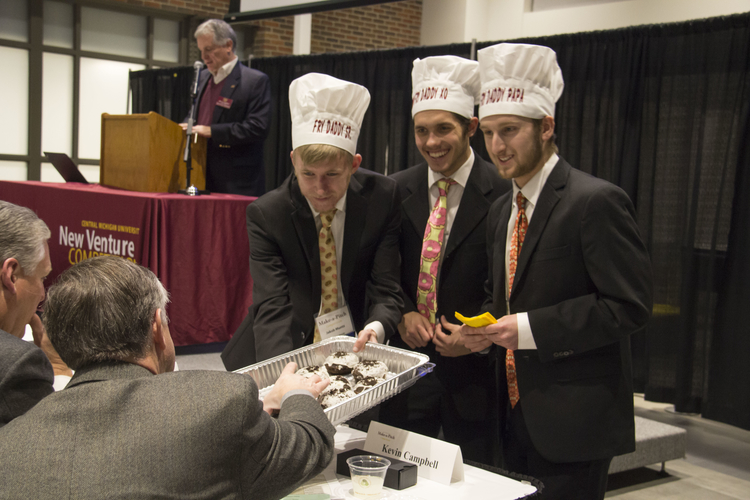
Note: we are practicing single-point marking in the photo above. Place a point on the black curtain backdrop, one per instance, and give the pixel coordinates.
(166, 91)
(663, 111)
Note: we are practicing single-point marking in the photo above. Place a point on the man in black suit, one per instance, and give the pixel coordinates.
(285, 226)
(459, 395)
(570, 281)
(233, 113)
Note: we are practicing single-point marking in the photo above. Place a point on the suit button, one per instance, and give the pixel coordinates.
(556, 354)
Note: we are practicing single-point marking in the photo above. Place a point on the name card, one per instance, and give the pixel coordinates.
(436, 460)
(338, 322)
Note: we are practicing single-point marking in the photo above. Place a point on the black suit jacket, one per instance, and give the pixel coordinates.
(584, 278)
(285, 266)
(26, 376)
(235, 149)
(464, 263)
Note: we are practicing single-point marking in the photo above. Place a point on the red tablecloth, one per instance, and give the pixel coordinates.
(197, 246)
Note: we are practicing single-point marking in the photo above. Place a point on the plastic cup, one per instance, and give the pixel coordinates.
(368, 475)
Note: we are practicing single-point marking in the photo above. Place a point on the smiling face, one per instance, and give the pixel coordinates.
(215, 56)
(323, 183)
(516, 145)
(441, 139)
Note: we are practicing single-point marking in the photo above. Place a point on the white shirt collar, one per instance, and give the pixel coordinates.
(461, 176)
(225, 70)
(533, 188)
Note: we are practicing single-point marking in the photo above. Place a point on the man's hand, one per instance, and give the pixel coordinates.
(42, 341)
(364, 337)
(449, 345)
(415, 330)
(201, 130)
(503, 333)
(289, 381)
(473, 339)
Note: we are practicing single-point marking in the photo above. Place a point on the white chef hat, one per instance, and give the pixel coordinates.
(447, 83)
(326, 110)
(519, 79)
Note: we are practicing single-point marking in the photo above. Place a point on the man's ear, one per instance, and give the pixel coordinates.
(473, 125)
(10, 270)
(158, 332)
(548, 128)
(356, 162)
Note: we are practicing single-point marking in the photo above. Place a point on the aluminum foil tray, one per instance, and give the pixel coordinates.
(407, 366)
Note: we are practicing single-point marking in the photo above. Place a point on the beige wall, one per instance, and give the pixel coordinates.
(456, 21)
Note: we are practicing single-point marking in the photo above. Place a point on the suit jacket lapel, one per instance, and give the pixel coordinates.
(304, 225)
(416, 205)
(230, 84)
(544, 206)
(502, 231)
(473, 208)
(356, 211)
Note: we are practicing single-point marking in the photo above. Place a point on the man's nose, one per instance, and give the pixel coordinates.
(432, 140)
(498, 145)
(321, 185)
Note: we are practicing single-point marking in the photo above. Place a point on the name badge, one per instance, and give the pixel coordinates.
(224, 102)
(338, 322)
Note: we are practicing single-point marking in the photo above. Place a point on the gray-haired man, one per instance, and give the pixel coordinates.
(233, 113)
(26, 375)
(127, 426)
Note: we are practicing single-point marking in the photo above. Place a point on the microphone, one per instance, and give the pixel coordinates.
(194, 88)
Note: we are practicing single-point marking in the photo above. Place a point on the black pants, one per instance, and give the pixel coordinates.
(564, 481)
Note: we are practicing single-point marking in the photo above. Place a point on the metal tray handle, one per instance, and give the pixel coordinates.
(425, 369)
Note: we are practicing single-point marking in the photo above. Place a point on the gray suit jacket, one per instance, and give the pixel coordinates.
(26, 376)
(117, 431)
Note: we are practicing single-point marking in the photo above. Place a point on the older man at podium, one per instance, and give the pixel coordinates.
(233, 113)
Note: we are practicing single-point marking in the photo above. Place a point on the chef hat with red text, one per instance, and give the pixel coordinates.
(447, 83)
(519, 79)
(326, 110)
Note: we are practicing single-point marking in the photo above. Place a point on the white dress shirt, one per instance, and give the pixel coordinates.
(224, 71)
(455, 193)
(531, 192)
(337, 229)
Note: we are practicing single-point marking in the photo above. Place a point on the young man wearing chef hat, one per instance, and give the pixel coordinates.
(324, 245)
(570, 281)
(458, 397)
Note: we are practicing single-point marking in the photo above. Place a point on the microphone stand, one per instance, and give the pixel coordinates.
(190, 189)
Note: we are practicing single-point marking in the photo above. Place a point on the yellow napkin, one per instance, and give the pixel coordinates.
(477, 321)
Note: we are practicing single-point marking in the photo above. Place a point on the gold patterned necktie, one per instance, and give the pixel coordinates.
(519, 233)
(329, 292)
(432, 244)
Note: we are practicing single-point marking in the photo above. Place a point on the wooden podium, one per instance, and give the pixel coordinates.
(144, 152)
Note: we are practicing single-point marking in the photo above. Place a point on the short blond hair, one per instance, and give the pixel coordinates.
(310, 154)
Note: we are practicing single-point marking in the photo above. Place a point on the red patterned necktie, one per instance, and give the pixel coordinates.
(432, 244)
(329, 292)
(519, 233)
